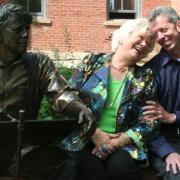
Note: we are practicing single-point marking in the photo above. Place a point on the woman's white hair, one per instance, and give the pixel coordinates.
(128, 27)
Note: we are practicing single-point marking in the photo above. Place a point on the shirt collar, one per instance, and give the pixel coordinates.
(178, 59)
(166, 58)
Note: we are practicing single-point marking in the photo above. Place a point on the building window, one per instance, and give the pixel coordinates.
(124, 9)
(35, 7)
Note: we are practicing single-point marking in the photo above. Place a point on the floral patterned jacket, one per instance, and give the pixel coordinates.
(91, 80)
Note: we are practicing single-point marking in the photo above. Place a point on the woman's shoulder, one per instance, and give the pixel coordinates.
(99, 58)
(144, 76)
(94, 61)
(142, 71)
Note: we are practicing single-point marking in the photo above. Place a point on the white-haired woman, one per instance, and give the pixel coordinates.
(115, 89)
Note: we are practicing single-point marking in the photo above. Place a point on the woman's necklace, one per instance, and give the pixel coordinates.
(109, 106)
(118, 69)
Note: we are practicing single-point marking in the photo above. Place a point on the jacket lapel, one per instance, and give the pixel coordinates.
(102, 74)
(133, 86)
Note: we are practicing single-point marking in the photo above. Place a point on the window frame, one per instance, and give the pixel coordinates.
(43, 12)
(136, 11)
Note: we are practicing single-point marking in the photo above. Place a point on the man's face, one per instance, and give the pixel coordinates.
(167, 33)
(15, 35)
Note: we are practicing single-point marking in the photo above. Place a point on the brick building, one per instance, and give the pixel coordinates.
(81, 25)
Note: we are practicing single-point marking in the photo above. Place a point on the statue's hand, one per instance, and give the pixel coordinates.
(84, 115)
(87, 121)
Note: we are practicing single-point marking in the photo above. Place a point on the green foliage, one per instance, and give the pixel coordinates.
(46, 112)
(66, 72)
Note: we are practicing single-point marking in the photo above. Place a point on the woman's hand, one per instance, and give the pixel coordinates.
(102, 142)
(116, 141)
(120, 141)
(102, 151)
(99, 137)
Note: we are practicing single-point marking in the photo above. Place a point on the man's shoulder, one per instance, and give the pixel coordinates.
(38, 61)
(156, 62)
(35, 56)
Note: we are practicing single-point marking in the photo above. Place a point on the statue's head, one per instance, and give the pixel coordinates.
(15, 23)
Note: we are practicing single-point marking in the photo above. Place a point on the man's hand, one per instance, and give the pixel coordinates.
(173, 161)
(154, 111)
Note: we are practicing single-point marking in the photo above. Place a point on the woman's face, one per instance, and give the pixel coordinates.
(137, 45)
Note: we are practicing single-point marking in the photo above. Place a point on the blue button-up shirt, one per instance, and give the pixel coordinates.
(167, 74)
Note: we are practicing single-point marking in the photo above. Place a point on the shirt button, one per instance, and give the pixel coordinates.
(122, 115)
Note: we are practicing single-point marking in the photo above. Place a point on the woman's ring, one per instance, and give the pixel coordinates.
(104, 149)
(100, 156)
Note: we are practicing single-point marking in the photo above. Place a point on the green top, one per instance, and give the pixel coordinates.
(107, 121)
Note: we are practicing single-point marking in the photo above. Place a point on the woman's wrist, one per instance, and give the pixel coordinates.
(124, 139)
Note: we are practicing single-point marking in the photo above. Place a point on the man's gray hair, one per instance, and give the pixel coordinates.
(164, 11)
(128, 27)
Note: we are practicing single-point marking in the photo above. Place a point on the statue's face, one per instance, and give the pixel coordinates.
(16, 35)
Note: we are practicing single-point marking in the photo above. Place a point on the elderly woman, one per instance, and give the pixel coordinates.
(115, 89)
